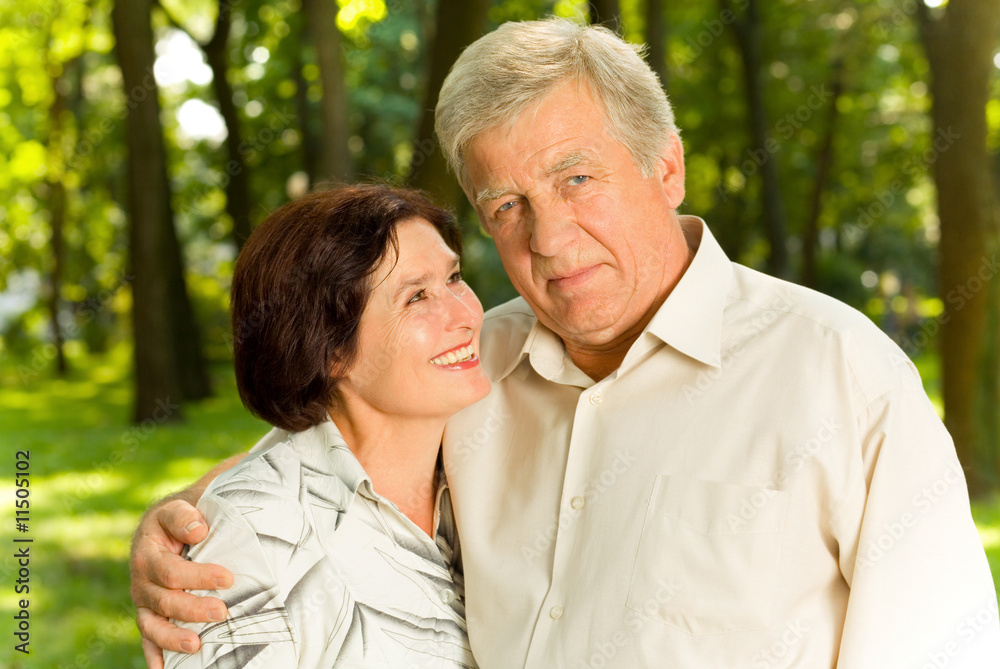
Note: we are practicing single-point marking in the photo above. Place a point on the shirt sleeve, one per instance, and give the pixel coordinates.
(270, 622)
(921, 593)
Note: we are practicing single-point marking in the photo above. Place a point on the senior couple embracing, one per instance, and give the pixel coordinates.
(620, 468)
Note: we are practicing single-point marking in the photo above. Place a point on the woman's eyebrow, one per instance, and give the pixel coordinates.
(411, 283)
(422, 279)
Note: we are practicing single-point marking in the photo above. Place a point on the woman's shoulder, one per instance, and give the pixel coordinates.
(279, 480)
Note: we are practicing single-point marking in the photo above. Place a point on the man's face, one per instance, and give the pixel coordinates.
(583, 235)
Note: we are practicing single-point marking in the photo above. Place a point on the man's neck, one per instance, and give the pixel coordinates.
(598, 362)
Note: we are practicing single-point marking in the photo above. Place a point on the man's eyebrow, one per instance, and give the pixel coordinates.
(490, 193)
(419, 280)
(566, 162)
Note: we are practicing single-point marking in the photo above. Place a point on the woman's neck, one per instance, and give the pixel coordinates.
(398, 454)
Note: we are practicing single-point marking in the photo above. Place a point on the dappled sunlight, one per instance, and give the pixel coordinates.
(990, 537)
(986, 513)
(71, 489)
(89, 535)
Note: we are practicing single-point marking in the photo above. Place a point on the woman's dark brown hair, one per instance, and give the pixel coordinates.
(300, 286)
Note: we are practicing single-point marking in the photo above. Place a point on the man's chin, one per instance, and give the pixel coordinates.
(589, 328)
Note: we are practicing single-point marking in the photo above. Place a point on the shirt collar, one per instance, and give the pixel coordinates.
(690, 320)
(353, 475)
(342, 459)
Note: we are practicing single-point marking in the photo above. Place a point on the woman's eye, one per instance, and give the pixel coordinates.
(578, 180)
(454, 278)
(416, 298)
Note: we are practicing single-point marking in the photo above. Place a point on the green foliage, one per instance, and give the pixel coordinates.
(878, 201)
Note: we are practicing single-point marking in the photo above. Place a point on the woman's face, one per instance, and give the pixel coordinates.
(418, 353)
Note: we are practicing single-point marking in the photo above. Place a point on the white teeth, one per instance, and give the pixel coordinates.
(452, 357)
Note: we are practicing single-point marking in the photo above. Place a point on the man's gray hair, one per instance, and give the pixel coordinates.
(501, 74)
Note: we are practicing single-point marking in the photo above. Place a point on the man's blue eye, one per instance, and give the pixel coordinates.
(578, 180)
(505, 206)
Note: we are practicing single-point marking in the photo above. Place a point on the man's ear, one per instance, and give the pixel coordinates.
(671, 170)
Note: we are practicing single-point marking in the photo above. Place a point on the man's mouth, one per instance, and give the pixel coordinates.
(573, 278)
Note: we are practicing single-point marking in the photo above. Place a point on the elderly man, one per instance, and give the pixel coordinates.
(683, 462)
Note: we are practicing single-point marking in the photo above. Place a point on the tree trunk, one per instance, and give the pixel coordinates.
(310, 156)
(824, 160)
(749, 34)
(236, 170)
(458, 24)
(168, 361)
(334, 159)
(656, 39)
(156, 376)
(605, 12)
(960, 41)
(57, 212)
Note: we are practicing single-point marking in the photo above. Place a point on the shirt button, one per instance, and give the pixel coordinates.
(447, 596)
(595, 398)
(577, 502)
(556, 612)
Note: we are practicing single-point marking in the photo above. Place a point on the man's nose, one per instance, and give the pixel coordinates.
(553, 227)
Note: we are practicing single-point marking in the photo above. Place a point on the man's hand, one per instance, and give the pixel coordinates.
(160, 575)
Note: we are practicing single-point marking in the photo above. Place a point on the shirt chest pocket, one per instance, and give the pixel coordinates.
(707, 561)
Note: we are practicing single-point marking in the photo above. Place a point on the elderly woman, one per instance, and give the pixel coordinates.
(356, 337)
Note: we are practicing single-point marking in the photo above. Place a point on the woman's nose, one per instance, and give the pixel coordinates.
(460, 313)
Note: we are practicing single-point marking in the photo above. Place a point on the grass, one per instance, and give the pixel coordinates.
(92, 475)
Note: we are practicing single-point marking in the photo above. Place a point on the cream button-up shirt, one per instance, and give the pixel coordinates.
(763, 483)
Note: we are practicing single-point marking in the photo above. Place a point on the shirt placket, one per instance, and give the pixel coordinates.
(548, 639)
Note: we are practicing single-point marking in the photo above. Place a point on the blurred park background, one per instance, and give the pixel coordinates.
(851, 146)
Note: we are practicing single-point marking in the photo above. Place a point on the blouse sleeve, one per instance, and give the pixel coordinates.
(272, 620)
